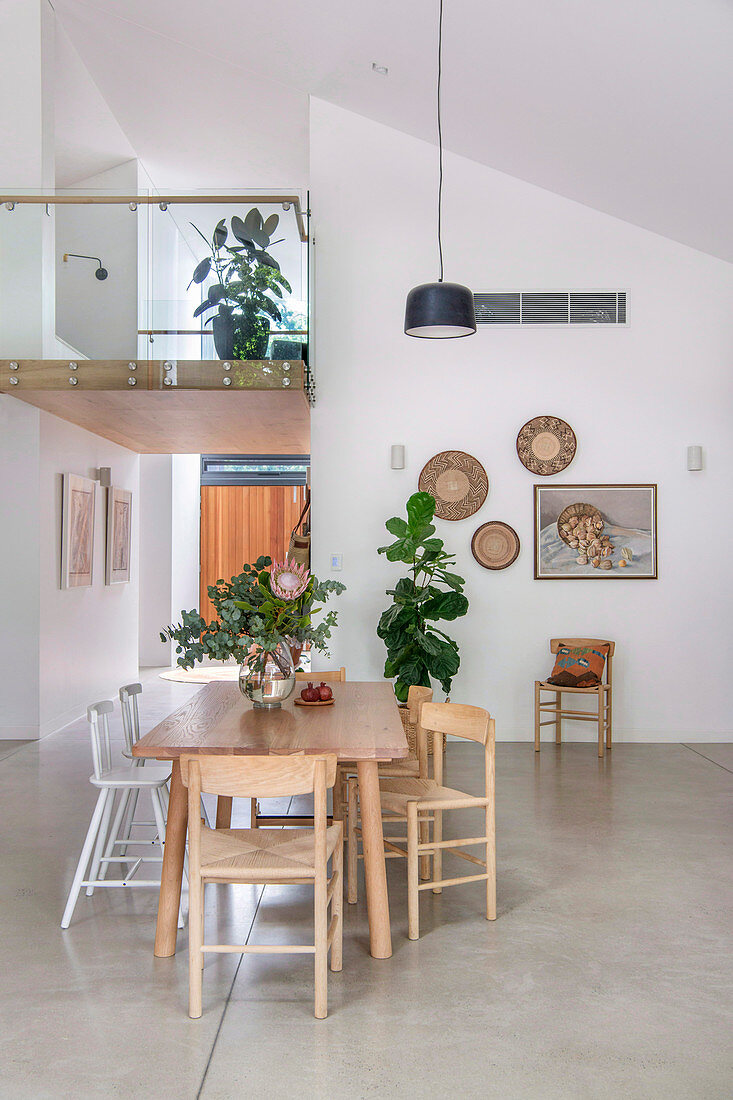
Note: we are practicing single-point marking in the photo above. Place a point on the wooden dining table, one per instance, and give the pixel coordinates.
(362, 727)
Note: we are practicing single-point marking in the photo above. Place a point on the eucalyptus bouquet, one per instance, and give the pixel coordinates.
(416, 648)
(259, 607)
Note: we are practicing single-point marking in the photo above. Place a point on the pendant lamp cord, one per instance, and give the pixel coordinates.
(440, 140)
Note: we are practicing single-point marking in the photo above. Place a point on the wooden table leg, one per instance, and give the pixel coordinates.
(172, 872)
(223, 811)
(375, 871)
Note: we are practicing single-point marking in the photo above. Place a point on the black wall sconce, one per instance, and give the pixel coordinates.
(101, 273)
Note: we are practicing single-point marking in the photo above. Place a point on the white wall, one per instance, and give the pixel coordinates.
(170, 497)
(87, 137)
(88, 636)
(59, 649)
(635, 396)
(185, 540)
(99, 317)
(156, 481)
(26, 163)
(19, 566)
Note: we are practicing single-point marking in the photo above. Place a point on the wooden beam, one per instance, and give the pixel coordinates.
(186, 421)
(18, 375)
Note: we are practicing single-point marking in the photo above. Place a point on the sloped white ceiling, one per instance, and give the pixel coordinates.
(87, 137)
(623, 106)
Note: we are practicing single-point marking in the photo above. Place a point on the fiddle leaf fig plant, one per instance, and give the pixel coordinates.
(416, 648)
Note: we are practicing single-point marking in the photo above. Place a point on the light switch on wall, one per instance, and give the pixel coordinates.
(336, 561)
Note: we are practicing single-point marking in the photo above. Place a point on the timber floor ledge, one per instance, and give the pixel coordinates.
(172, 406)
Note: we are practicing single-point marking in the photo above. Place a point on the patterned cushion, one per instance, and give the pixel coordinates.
(578, 666)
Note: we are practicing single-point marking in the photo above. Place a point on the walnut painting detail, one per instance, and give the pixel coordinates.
(119, 532)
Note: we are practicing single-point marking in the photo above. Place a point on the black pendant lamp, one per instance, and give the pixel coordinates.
(440, 311)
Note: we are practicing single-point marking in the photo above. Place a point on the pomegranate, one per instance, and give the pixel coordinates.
(324, 692)
(310, 694)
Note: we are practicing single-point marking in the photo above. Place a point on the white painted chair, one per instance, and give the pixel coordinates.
(131, 728)
(100, 840)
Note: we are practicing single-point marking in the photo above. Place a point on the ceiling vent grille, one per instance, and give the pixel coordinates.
(551, 307)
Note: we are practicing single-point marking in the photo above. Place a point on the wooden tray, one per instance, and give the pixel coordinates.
(320, 703)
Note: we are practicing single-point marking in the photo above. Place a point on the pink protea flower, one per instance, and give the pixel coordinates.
(288, 579)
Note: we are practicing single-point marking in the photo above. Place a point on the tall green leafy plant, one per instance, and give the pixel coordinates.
(248, 285)
(417, 650)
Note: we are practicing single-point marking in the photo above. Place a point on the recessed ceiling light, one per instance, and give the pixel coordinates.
(381, 69)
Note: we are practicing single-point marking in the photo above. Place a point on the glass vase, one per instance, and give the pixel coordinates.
(267, 676)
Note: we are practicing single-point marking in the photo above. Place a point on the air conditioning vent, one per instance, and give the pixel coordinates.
(551, 307)
(498, 309)
(544, 309)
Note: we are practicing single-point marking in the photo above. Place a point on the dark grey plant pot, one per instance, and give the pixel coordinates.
(223, 332)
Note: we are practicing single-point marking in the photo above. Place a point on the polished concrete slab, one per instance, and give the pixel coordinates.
(608, 971)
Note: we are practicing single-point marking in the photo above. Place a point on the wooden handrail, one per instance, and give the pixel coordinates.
(149, 200)
(207, 332)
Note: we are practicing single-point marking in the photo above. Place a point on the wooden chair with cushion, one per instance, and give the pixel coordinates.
(329, 676)
(602, 717)
(265, 856)
(414, 766)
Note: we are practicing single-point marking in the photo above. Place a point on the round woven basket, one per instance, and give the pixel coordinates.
(577, 510)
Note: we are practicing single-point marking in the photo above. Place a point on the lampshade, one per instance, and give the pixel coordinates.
(440, 311)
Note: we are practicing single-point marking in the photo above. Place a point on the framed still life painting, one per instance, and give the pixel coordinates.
(77, 531)
(119, 531)
(586, 532)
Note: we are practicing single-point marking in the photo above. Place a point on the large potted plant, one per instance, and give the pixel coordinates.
(266, 607)
(247, 277)
(417, 650)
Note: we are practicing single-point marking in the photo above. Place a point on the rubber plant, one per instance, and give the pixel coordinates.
(247, 277)
(417, 650)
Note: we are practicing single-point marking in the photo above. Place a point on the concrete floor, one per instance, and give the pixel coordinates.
(607, 974)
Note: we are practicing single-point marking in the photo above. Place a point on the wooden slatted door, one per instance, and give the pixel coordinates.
(241, 522)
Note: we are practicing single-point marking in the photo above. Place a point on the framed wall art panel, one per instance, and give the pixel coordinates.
(119, 535)
(589, 532)
(77, 531)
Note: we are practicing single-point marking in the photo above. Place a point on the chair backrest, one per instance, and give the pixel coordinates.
(417, 696)
(98, 718)
(329, 676)
(457, 719)
(460, 720)
(258, 776)
(555, 644)
(130, 714)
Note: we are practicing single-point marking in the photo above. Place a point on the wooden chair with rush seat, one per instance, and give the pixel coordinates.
(265, 856)
(414, 766)
(578, 650)
(423, 801)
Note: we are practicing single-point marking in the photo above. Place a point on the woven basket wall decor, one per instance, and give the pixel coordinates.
(546, 445)
(458, 482)
(495, 545)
